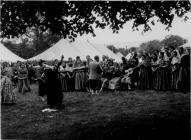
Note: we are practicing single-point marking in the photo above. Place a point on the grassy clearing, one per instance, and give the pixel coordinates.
(133, 115)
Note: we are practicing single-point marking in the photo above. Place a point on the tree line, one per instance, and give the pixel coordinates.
(152, 45)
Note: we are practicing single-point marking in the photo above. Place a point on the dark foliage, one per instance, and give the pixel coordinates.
(112, 48)
(70, 19)
(151, 46)
(173, 40)
(32, 43)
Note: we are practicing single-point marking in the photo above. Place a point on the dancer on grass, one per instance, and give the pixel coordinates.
(53, 86)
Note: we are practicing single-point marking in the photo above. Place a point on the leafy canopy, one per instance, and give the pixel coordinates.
(151, 46)
(70, 19)
(173, 41)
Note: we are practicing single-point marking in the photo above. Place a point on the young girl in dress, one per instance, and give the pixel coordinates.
(23, 83)
(6, 89)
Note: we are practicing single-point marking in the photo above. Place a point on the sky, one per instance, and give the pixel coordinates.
(105, 36)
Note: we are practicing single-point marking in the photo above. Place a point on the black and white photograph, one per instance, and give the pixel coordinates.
(95, 70)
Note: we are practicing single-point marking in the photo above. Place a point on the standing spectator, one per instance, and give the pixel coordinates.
(41, 80)
(6, 89)
(23, 83)
(144, 73)
(184, 75)
(124, 65)
(175, 64)
(154, 67)
(88, 59)
(161, 72)
(79, 74)
(9, 71)
(135, 75)
(15, 74)
(167, 70)
(70, 74)
(63, 77)
(95, 75)
(31, 73)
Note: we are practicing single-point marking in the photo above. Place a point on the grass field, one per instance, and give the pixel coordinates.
(138, 115)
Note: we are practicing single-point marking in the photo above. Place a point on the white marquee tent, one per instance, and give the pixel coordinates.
(7, 55)
(86, 49)
(128, 56)
(77, 48)
(119, 54)
(62, 47)
(105, 51)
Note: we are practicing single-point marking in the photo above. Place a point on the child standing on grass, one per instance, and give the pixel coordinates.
(6, 89)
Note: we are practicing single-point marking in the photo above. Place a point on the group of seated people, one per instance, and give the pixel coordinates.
(168, 69)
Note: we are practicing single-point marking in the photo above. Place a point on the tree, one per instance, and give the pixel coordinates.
(151, 46)
(123, 51)
(40, 40)
(70, 19)
(173, 40)
(32, 43)
(132, 49)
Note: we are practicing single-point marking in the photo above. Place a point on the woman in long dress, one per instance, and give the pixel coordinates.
(168, 71)
(144, 73)
(175, 65)
(154, 67)
(87, 84)
(53, 85)
(134, 61)
(161, 72)
(70, 74)
(184, 73)
(123, 67)
(6, 89)
(39, 70)
(63, 77)
(79, 74)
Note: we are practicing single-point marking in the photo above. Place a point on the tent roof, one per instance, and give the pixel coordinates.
(105, 51)
(128, 56)
(77, 48)
(119, 54)
(7, 55)
(62, 47)
(86, 49)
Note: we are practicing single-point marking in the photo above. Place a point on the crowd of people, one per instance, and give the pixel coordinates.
(168, 69)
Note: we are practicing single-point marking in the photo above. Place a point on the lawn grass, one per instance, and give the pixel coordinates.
(139, 115)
